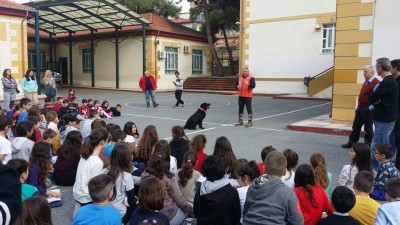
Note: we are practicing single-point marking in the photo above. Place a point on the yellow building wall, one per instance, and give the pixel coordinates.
(352, 52)
(13, 45)
(130, 61)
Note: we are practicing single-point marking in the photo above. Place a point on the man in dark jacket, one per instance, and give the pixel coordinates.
(385, 102)
(395, 135)
(148, 85)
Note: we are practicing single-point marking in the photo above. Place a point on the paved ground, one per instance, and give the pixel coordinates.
(271, 118)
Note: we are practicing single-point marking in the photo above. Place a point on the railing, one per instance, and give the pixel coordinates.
(309, 78)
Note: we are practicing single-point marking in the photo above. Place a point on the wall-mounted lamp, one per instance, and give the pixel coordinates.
(317, 26)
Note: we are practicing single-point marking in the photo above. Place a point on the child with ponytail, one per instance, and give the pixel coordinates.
(322, 175)
(90, 165)
(188, 176)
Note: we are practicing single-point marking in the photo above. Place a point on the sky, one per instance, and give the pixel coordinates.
(185, 4)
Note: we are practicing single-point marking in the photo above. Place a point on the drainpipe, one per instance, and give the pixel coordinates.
(156, 42)
(23, 42)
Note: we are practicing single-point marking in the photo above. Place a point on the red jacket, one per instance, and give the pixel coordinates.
(142, 83)
(311, 214)
(201, 156)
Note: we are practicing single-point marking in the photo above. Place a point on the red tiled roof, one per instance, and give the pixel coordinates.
(31, 33)
(183, 20)
(13, 5)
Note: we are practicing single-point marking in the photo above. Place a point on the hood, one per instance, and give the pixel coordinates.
(211, 186)
(18, 143)
(178, 142)
(265, 185)
(64, 131)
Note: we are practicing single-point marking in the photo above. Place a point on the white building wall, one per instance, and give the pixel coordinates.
(283, 46)
(386, 30)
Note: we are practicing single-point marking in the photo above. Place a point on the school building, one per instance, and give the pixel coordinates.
(317, 47)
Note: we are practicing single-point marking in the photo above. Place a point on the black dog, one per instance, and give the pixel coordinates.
(197, 117)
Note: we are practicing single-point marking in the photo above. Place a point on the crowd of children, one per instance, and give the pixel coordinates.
(121, 177)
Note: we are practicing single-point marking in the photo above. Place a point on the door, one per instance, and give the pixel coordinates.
(64, 69)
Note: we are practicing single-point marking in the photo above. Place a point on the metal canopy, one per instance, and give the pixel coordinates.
(69, 16)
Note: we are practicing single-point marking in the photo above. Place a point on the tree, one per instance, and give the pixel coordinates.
(204, 6)
(222, 16)
(164, 8)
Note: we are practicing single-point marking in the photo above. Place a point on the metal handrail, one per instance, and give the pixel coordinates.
(309, 78)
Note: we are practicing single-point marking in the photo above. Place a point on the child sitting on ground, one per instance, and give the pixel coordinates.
(292, 161)
(58, 104)
(25, 104)
(198, 144)
(12, 106)
(34, 210)
(73, 106)
(101, 191)
(39, 167)
(365, 208)
(63, 110)
(322, 175)
(21, 166)
(246, 174)
(343, 200)
(48, 104)
(266, 150)
(116, 111)
(387, 170)
(104, 110)
(117, 136)
(84, 109)
(389, 213)
(187, 176)
(216, 201)
(150, 202)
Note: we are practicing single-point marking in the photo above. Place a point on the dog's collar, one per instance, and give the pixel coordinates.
(203, 109)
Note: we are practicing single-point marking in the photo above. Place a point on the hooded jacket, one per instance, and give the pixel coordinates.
(217, 203)
(179, 146)
(64, 132)
(10, 195)
(21, 148)
(270, 201)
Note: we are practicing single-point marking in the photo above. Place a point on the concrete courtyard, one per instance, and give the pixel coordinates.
(270, 119)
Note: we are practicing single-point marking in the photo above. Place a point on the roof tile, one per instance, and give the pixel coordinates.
(10, 4)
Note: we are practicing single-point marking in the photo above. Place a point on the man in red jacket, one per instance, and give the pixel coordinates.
(148, 85)
(363, 114)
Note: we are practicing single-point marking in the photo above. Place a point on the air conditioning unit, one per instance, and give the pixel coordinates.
(186, 49)
(161, 54)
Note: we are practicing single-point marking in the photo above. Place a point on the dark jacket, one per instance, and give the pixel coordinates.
(179, 147)
(10, 193)
(338, 220)
(221, 207)
(385, 100)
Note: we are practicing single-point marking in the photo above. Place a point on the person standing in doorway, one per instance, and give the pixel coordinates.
(10, 88)
(245, 85)
(363, 114)
(179, 89)
(148, 84)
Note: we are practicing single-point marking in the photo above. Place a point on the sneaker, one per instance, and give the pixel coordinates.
(173, 106)
(182, 105)
(347, 145)
(148, 106)
(156, 105)
(249, 124)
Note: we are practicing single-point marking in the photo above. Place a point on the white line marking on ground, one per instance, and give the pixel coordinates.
(195, 132)
(297, 110)
(167, 118)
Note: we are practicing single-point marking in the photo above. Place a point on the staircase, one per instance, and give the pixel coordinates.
(210, 83)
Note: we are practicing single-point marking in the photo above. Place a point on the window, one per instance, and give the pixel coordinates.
(197, 62)
(328, 38)
(32, 59)
(171, 60)
(86, 60)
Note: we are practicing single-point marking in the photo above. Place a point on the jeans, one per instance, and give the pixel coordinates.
(8, 97)
(382, 133)
(149, 94)
(178, 218)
